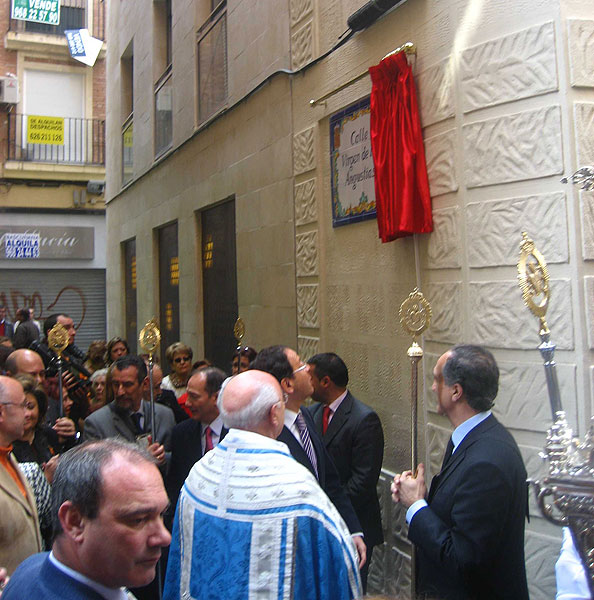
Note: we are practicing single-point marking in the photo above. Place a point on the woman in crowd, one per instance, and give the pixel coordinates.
(179, 357)
(247, 354)
(98, 390)
(40, 442)
(116, 348)
(95, 358)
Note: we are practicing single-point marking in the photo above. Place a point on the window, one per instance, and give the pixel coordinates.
(127, 112)
(212, 63)
(72, 16)
(56, 94)
(163, 87)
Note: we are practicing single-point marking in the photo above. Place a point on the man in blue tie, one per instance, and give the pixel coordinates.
(469, 529)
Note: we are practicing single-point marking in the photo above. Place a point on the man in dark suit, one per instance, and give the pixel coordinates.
(299, 432)
(129, 416)
(353, 436)
(107, 504)
(193, 438)
(469, 532)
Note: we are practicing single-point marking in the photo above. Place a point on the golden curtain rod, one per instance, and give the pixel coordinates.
(407, 48)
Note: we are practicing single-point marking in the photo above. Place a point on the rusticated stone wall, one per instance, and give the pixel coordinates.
(506, 95)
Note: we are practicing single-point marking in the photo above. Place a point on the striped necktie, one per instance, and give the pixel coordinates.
(306, 441)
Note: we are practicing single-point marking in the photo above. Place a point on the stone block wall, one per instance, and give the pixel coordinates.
(505, 93)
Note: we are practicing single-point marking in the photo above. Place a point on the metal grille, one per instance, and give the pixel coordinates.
(219, 279)
(129, 249)
(212, 64)
(84, 142)
(168, 288)
(79, 293)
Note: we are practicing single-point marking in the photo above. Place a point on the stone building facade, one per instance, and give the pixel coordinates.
(44, 186)
(506, 94)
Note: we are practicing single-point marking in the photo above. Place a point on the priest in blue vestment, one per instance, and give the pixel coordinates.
(251, 522)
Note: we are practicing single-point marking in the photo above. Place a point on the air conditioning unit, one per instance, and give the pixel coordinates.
(9, 90)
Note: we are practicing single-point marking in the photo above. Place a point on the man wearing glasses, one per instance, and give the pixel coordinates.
(19, 527)
(299, 433)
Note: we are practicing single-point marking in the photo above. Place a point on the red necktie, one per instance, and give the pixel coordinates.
(208, 440)
(325, 418)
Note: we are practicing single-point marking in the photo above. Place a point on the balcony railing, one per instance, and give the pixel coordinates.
(75, 142)
(73, 15)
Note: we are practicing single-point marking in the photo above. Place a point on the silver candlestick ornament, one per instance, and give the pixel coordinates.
(570, 480)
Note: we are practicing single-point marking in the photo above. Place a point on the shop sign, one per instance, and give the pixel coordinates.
(18, 241)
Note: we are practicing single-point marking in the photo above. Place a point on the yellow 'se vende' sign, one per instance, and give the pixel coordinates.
(45, 130)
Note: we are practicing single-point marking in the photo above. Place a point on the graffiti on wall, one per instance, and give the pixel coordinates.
(69, 296)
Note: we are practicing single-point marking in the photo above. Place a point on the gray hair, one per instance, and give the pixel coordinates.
(98, 373)
(254, 412)
(78, 477)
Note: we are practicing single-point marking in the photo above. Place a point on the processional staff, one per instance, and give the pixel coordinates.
(570, 480)
(149, 339)
(415, 318)
(239, 332)
(58, 340)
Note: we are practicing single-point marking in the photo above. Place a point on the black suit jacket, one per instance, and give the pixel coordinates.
(470, 541)
(186, 451)
(327, 474)
(355, 441)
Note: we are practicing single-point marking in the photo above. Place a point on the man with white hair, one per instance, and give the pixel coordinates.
(251, 522)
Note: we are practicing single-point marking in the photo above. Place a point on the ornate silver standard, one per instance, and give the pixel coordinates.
(57, 340)
(415, 317)
(570, 481)
(149, 339)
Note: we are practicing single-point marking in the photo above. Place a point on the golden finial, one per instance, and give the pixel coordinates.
(150, 336)
(58, 339)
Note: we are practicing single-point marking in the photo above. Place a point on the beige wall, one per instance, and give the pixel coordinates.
(506, 96)
(247, 154)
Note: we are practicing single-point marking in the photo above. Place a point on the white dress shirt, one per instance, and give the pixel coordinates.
(107, 593)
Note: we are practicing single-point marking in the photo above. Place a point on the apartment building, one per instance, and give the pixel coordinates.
(52, 174)
(220, 203)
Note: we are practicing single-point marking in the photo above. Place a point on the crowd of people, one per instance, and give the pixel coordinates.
(238, 489)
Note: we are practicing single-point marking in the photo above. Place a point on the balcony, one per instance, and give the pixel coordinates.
(54, 148)
(73, 15)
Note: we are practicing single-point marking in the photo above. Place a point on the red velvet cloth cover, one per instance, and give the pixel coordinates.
(401, 185)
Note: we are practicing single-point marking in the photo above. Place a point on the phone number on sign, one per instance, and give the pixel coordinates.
(35, 136)
(34, 14)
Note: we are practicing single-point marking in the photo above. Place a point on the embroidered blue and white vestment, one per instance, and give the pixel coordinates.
(252, 523)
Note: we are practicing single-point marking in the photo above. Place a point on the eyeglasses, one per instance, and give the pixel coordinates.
(301, 368)
(22, 404)
(182, 359)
